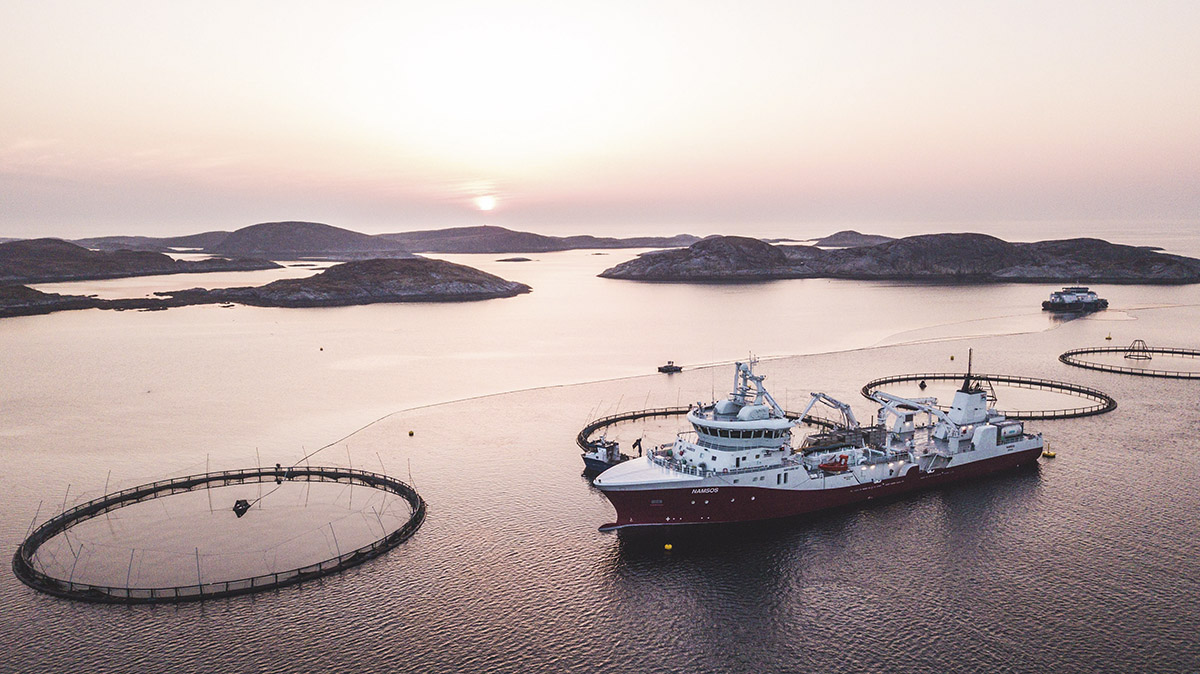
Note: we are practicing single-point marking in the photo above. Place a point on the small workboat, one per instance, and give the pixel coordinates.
(604, 454)
(670, 367)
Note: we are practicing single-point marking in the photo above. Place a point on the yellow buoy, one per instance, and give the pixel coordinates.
(1049, 454)
(951, 357)
(410, 434)
(1109, 337)
(667, 547)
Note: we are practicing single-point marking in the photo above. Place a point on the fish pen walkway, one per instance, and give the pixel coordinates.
(1136, 351)
(1102, 401)
(603, 422)
(23, 560)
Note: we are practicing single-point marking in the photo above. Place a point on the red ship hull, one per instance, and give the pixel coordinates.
(725, 504)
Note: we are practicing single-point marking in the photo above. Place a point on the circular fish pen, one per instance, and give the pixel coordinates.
(25, 567)
(1138, 351)
(1101, 402)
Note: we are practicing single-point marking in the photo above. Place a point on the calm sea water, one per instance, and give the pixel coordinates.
(1088, 563)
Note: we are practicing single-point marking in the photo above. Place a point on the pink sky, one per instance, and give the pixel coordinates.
(769, 118)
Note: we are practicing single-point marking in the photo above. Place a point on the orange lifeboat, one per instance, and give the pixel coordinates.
(838, 465)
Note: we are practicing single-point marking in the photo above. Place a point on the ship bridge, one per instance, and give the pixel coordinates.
(749, 418)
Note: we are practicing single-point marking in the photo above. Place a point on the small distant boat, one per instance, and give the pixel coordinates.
(670, 367)
(1074, 299)
(227, 305)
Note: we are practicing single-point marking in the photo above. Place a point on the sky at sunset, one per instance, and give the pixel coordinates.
(619, 118)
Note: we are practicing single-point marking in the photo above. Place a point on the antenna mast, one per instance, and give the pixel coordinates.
(966, 386)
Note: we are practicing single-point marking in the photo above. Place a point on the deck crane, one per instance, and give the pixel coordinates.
(902, 410)
(952, 426)
(849, 421)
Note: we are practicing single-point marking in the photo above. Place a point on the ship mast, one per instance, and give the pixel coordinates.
(967, 386)
(741, 382)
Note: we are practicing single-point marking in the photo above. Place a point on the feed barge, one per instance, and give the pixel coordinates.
(1074, 299)
(740, 463)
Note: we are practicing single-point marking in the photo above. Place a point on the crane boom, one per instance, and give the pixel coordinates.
(847, 413)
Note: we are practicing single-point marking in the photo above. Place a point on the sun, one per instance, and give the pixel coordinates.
(485, 203)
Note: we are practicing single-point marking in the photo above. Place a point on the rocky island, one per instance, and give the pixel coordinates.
(297, 240)
(848, 238)
(940, 258)
(718, 259)
(19, 300)
(492, 239)
(195, 242)
(415, 279)
(53, 260)
(306, 241)
(363, 282)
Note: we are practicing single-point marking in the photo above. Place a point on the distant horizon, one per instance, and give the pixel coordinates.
(1176, 237)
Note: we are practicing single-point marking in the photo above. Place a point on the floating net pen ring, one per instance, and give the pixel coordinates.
(25, 570)
(1101, 401)
(1137, 351)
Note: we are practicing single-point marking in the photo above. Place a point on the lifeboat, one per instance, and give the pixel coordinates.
(838, 465)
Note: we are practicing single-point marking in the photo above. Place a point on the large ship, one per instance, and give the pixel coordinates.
(740, 462)
(1075, 299)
